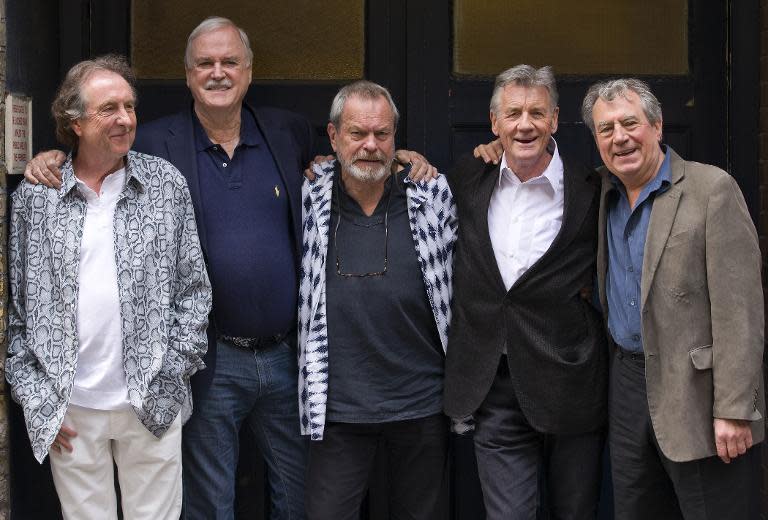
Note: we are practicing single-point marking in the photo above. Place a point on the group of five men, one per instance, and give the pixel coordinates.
(468, 294)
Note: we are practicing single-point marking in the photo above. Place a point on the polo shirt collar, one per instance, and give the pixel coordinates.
(248, 131)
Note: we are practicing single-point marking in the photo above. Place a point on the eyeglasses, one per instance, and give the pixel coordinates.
(336, 235)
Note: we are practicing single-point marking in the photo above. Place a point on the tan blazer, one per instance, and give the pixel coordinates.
(702, 309)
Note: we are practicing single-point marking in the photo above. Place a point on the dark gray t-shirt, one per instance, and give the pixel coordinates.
(384, 353)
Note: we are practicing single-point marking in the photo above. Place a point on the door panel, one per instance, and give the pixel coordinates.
(458, 119)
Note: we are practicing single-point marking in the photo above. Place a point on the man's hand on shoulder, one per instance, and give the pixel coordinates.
(44, 168)
(421, 170)
(317, 160)
(489, 153)
(732, 438)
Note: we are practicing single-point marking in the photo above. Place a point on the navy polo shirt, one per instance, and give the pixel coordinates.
(627, 229)
(250, 243)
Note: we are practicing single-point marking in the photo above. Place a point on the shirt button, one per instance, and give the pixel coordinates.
(636, 337)
(632, 303)
(224, 165)
(630, 269)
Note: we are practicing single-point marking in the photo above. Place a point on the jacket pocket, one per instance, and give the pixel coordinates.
(680, 237)
(701, 357)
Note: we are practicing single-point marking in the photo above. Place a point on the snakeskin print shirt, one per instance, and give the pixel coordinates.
(165, 296)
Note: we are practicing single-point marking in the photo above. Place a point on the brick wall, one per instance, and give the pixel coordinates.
(763, 223)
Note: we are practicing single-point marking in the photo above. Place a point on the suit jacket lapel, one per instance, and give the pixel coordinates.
(488, 180)
(602, 239)
(180, 145)
(577, 199)
(283, 150)
(662, 217)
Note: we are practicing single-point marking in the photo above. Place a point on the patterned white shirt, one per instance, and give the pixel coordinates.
(165, 296)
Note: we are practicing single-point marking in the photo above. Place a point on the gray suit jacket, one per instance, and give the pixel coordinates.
(702, 309)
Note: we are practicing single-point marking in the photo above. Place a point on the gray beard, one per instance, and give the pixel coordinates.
(367, 176)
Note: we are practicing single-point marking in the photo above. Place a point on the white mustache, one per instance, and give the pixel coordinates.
(216, 83)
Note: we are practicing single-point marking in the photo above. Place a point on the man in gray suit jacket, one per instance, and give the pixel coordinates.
(679, 281)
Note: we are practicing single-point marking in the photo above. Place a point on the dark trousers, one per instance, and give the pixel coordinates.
(517, 463)
(646, 484)
(341, 463)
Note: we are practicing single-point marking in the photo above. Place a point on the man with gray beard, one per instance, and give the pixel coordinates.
(374, 296)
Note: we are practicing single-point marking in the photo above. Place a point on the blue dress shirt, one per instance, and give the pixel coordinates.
(627, 229)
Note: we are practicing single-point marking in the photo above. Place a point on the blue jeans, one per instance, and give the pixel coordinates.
(261, 389)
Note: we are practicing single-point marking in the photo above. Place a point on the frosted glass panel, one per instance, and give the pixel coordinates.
(291, 39)
(575, 37)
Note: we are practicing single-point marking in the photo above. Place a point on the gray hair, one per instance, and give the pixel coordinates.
(210, 24)
(524, 76)
(363, 89)
(69, 104)
(608, 90)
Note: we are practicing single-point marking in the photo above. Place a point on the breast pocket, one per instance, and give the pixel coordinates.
(682, 268)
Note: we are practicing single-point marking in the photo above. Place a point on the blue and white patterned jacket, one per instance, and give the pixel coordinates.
(165, 296)
(432, 215)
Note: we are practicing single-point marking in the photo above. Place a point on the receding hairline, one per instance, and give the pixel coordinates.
(86, 80)
(546, 96)
(214, 24)
(381, 98)
(363, 89)
(626, 94)
(231, 28)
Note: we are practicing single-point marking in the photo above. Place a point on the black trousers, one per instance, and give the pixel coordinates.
(340, 466)
(647, 485)
(518, 464)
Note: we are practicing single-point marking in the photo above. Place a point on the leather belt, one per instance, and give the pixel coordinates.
(630, 354)
(253, 344)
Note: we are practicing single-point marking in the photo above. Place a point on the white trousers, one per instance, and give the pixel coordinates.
(148, 468)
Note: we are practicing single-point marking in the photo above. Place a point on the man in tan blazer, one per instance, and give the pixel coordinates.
(679, 282)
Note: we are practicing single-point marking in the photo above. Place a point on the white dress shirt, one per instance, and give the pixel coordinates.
(525, 217)
(100, 377)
